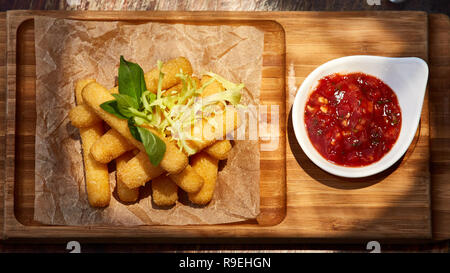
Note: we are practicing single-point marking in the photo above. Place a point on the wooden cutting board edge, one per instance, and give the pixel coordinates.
(2, 116)
(438, 26)
(439, 87)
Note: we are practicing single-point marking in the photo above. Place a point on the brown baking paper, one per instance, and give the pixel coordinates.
(68, 50)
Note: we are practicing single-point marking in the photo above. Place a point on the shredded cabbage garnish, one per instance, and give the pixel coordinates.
(174, 113)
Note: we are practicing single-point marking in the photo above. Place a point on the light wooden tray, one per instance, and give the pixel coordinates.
(298, 200)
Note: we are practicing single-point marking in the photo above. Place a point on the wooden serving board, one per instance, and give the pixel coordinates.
(298, 200)
(22, 120)
(439, 85)
(2, 113)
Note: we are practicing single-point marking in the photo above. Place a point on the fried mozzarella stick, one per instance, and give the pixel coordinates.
(79, 86)
(97, 178)
(174, 160)
(138, 171)
(165, 192)
(125, 194)
(207, 167)
(221, 148)
(170, 69)
(188, 180)
(110, 146)
(82, 116)
(206, 134)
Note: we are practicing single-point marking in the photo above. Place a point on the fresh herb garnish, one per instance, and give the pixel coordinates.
(131, 79)
(128, 104)
(125, 104)
(154, 146)
(133, 130)
(112, 108)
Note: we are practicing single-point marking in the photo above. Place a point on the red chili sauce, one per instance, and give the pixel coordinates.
(352, 119)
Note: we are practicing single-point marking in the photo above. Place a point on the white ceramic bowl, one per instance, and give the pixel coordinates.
(408, 79)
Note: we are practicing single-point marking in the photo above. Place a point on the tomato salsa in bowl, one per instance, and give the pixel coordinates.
(356, 116)
(352, 119)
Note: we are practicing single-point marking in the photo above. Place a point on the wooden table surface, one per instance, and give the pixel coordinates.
(435, 6)
(439, 137)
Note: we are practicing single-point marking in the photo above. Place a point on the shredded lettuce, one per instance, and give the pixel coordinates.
(225, 83)
(231, 96)
(174, 113)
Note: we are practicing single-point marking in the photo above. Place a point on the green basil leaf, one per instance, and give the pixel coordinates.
(131, 79)
(112, 108)
(154, 146)
(133, 130)
(124, 102)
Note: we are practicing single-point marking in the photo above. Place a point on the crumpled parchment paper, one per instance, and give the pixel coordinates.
(68, 50)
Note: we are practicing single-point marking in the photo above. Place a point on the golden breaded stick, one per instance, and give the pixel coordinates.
(207, 167)
(174, 160)
(219, 149)
(79, 85)
(138, 171)
(165, 192)
(205, 134)
(170, 69)
(125, 194)
(188, 180)
(81, 116)
(97, 178)
(110, 146)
